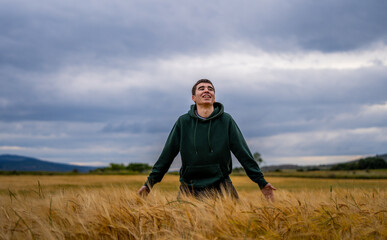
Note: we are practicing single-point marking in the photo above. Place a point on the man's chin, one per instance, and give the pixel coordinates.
(205, 103)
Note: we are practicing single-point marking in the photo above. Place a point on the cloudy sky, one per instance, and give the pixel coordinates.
(94, 82)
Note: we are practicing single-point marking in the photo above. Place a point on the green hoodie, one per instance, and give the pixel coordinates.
(204, 146)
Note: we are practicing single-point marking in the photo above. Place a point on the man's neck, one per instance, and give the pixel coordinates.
(205, 110)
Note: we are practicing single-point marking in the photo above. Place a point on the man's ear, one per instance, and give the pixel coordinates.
(194, 98)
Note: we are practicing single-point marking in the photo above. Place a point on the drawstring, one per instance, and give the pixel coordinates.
(209, 133)
(196, 124)
(208, 136)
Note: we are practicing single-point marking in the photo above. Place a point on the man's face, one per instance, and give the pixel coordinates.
(204, 94)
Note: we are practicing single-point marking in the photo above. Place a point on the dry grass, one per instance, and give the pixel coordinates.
(107, 207)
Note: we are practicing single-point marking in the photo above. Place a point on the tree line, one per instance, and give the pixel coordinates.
(362, 164)
(131, 167)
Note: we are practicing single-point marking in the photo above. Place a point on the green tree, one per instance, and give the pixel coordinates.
(257, 157)
(138, 167)
(116, 167)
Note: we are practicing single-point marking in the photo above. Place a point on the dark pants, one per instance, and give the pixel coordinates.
(219, 189)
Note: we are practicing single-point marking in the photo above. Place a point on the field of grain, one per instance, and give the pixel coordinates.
(107, 207)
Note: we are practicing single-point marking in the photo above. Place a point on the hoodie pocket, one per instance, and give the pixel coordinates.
(202, 175)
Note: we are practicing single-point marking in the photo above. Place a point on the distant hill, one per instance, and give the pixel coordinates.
(313, 167)
(28, 164)
(374, 162)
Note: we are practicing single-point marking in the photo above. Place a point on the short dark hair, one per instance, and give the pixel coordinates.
(201, 81)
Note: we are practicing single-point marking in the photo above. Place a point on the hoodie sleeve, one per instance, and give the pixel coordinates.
(171, 149)
(241, 151)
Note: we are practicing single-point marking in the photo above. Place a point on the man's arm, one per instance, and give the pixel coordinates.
(242, 152)
(170, 150)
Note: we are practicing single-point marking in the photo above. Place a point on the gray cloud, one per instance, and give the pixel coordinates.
(49, 34)
(155, 126)
(302, 104)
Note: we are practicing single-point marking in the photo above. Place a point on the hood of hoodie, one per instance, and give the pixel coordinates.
(218, 111)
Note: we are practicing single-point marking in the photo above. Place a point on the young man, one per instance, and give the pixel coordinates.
(205, 138)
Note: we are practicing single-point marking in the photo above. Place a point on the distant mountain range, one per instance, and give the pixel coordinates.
(28, 164)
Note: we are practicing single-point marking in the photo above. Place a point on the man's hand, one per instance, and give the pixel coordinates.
(143, 191)
(268, 191)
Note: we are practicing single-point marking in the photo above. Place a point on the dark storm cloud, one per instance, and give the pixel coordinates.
(45, 34)
(48, 34)
(325, 26)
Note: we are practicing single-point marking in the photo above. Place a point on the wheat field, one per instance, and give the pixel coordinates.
(107, 207)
